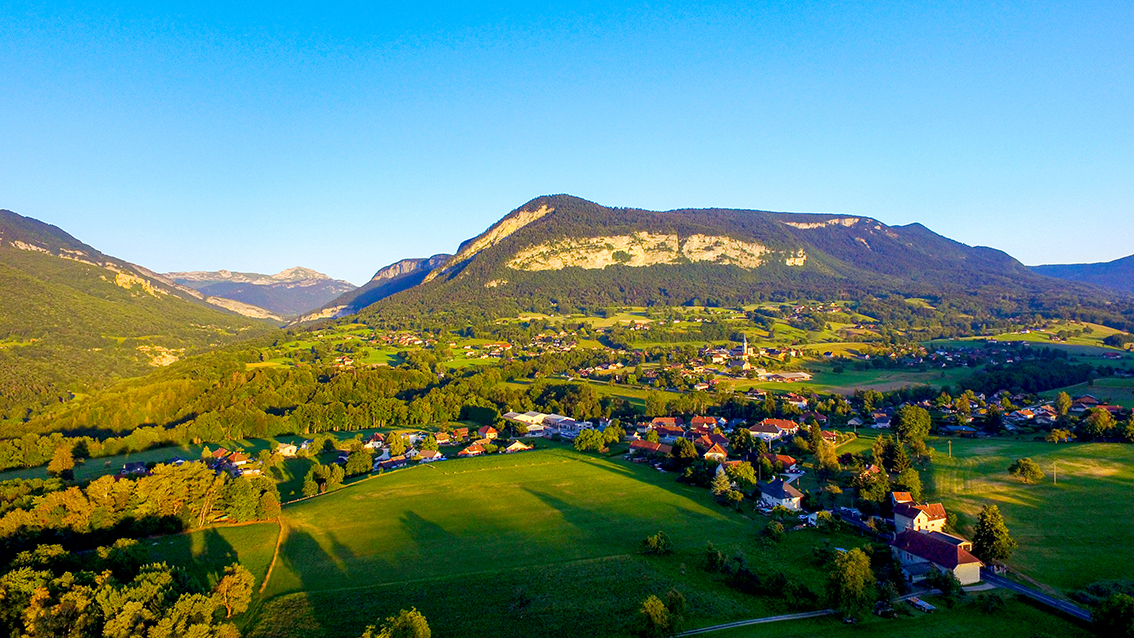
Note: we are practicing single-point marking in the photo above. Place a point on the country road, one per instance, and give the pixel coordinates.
(757, 621)
(801, 616)
(1062, 605)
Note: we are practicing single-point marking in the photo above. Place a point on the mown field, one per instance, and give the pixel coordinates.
(540, 543)
(1070, 532)
(1016, 619)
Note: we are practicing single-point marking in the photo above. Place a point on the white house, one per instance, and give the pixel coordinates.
(287, 449)
(429, 456)
(779, 492)
(919, 518)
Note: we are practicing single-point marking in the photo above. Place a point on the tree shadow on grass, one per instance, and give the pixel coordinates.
(203, 555)
(426, 533)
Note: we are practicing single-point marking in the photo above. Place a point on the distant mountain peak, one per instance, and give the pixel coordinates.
(291, 292)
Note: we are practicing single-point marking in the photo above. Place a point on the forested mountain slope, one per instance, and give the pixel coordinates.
(1117, 274)
(389, 280)
(564, 253)
(73, 319)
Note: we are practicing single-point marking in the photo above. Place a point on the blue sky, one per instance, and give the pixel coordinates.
(203, 136)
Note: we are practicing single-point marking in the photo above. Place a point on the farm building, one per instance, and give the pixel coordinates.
(920, 553)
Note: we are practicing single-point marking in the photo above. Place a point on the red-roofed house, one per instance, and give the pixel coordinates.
(897, 498)
(709, 440)
(921, 553)
(488, 432)
(766, 433)
(785, 426)
(669, 433)
(705, 421)
(671, 421)
(648, 448)
(788, 461)
(472, 450)
(919, 518)
(716, 453)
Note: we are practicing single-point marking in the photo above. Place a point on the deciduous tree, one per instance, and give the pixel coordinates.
(1026, 469)
(992, 542)
(850, 583)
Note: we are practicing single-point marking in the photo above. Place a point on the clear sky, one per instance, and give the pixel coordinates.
(342, 137)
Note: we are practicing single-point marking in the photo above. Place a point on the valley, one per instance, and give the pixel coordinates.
(493, 437)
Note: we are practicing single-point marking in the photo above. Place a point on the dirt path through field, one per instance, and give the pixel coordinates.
(275, 555)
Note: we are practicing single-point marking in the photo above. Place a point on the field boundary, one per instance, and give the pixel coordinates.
(275, 554)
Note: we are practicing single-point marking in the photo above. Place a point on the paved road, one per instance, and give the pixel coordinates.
(809, 614)
(1055, 603)
(757, 621)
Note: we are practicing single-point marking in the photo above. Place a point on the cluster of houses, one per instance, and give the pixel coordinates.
(234, 464)
(738, 362)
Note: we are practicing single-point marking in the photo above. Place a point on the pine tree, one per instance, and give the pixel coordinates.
(721, 484)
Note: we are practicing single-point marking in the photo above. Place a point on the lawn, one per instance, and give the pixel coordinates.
(513, 546)
(1062, 529)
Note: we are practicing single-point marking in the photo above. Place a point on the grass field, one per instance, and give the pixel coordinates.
(1017, 619)
(847, 382)
(1113, 390)
(634, 396)
(1063, 530)
(508, 546)
(206, 553)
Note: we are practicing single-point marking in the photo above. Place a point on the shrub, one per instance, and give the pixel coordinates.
(658, 544)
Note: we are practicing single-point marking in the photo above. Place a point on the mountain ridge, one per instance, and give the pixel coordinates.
(388, 280)
(76, 319)
(289, 293)
(560, 252)
(1117, 274)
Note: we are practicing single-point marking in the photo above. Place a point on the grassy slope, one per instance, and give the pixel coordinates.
(1062, 529)
(1117, 391)
(205, 553)
(479, 542)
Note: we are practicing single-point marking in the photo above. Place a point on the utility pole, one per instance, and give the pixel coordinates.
(950, 448)
(1054, 473)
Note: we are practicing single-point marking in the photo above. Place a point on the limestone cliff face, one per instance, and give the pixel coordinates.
(491, 237)
(642, 249)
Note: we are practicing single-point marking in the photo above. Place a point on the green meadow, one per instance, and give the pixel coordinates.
(1118, 391)
(1063, 529)
(538, 543)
